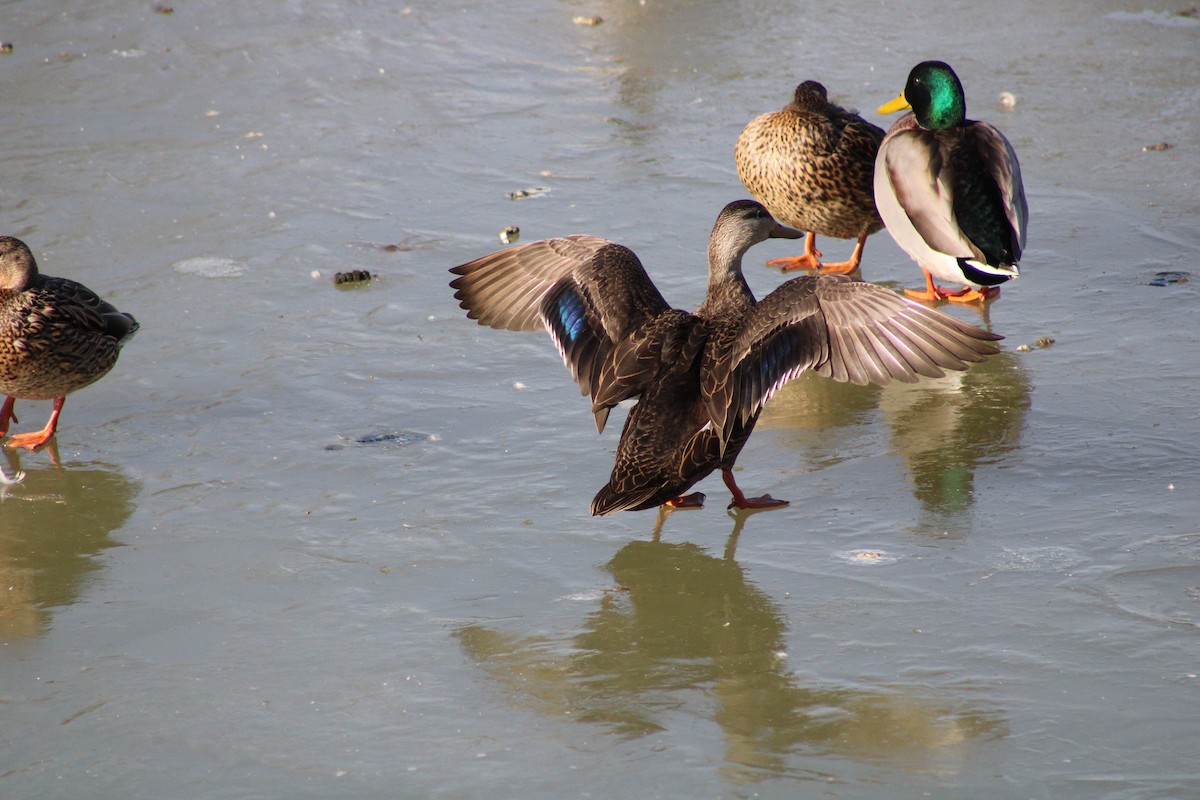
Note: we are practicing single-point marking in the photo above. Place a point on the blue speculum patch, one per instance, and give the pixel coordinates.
(571, 315)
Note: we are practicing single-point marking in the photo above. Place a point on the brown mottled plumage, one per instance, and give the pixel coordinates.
(56, 336)
(702, 378)
(811, 165)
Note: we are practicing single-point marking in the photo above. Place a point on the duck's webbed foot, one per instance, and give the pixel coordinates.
(809, 259)
(850, 265)
(741, 501)
(969, 295)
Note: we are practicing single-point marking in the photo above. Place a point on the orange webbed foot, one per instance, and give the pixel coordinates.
(848, 266)
(932, 293)
(809, 259)
(838, 268)
(791, 263)
(969, 295)
(924, 295)
(30, 441)
(936, 294)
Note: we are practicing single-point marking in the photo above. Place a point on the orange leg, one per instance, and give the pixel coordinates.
(934, 294)
(810, 259)
(741, 501)
(693, 500)
(969, 295)
(32, 441)
(7, 415)
(846, 267)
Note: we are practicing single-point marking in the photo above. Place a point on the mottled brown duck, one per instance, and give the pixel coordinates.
(56, 337)
(701, 378)
(811, 165)
(949, 189)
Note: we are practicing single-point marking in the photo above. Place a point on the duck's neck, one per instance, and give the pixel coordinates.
(728, 291)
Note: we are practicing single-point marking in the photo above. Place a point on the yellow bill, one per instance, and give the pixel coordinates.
(892, 106)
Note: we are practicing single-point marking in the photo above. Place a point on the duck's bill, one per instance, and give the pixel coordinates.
(892, 106)
(784, 232)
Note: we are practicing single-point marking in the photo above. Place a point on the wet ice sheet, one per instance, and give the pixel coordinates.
(222, 590)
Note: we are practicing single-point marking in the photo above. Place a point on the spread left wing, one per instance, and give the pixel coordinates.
(590, 294)
(846, 330)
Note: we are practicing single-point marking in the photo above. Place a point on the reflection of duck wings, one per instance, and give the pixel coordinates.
(821, 419)
(977, 413)
(943, 427)
(947, 427)
(688, 635)
(811, 402)
(936, 407)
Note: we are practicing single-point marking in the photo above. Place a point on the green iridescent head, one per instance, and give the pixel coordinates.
(935, 95)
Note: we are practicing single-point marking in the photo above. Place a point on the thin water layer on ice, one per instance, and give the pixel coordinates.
(312, 542)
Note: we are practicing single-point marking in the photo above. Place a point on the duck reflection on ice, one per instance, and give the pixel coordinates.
(944, 428)
(687, 635)
(51, 524)
(948, 430)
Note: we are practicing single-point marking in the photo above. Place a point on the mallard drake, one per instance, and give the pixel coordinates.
(56, 336)
(811, 166)
(949, 189)
(702, 378)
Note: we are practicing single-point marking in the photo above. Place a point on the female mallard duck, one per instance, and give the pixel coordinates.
(56, 336)
(811, 166)
(702, 378)
(949, 189)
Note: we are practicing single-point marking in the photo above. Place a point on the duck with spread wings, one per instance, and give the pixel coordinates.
(701, 378)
